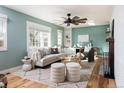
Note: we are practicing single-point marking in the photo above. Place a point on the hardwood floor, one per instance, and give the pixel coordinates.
(98, 81)
(18, 82)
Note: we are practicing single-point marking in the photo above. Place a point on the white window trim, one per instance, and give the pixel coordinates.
(4, 18)
(44, 28)
(59, 31)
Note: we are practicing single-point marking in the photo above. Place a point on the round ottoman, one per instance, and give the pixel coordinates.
(73, 71)
(57, 72)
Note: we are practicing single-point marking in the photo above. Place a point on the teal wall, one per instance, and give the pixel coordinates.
(16, 37)
(96, 34)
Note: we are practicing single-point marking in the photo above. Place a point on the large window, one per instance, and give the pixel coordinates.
(59, 38)
(3, 32)
(38, 35)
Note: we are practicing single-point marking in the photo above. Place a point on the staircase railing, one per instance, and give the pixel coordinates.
(105, 65)
(106, 68)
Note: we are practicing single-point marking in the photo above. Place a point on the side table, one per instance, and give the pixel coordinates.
(27, 65)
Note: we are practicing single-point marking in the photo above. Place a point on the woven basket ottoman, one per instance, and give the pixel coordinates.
(73, 71)
(57, 72)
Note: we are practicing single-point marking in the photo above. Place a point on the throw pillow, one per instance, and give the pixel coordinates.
(54, 51)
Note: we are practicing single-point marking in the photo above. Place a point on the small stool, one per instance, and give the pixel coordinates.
(27, 65)
(73, 71)
(57, 72)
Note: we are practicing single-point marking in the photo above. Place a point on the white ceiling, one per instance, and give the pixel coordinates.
(100, 14)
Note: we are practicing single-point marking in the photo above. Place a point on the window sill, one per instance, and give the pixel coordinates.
(3, 50)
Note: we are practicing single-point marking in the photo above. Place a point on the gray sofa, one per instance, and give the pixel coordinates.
(44, 56)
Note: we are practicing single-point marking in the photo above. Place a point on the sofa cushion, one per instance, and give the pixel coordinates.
(48, 59)
(52, 56)
(60, 55)
(47, 51)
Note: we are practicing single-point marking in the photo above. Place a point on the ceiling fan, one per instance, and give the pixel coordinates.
(75, 20)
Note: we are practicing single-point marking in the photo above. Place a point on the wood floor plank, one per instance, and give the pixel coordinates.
(112, 84)
(13, 78)
(18, 82)
(33, 84)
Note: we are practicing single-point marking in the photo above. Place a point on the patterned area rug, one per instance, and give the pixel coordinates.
(43, 75)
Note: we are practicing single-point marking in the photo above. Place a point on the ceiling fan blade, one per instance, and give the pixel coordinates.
(75, 18)
(84, 19)
(75, 23)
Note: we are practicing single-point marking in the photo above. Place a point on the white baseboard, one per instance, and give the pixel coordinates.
(10, 70)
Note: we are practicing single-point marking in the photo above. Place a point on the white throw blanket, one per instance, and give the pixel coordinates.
(35, 57)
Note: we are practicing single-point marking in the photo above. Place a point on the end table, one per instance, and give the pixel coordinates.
(27, 64)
